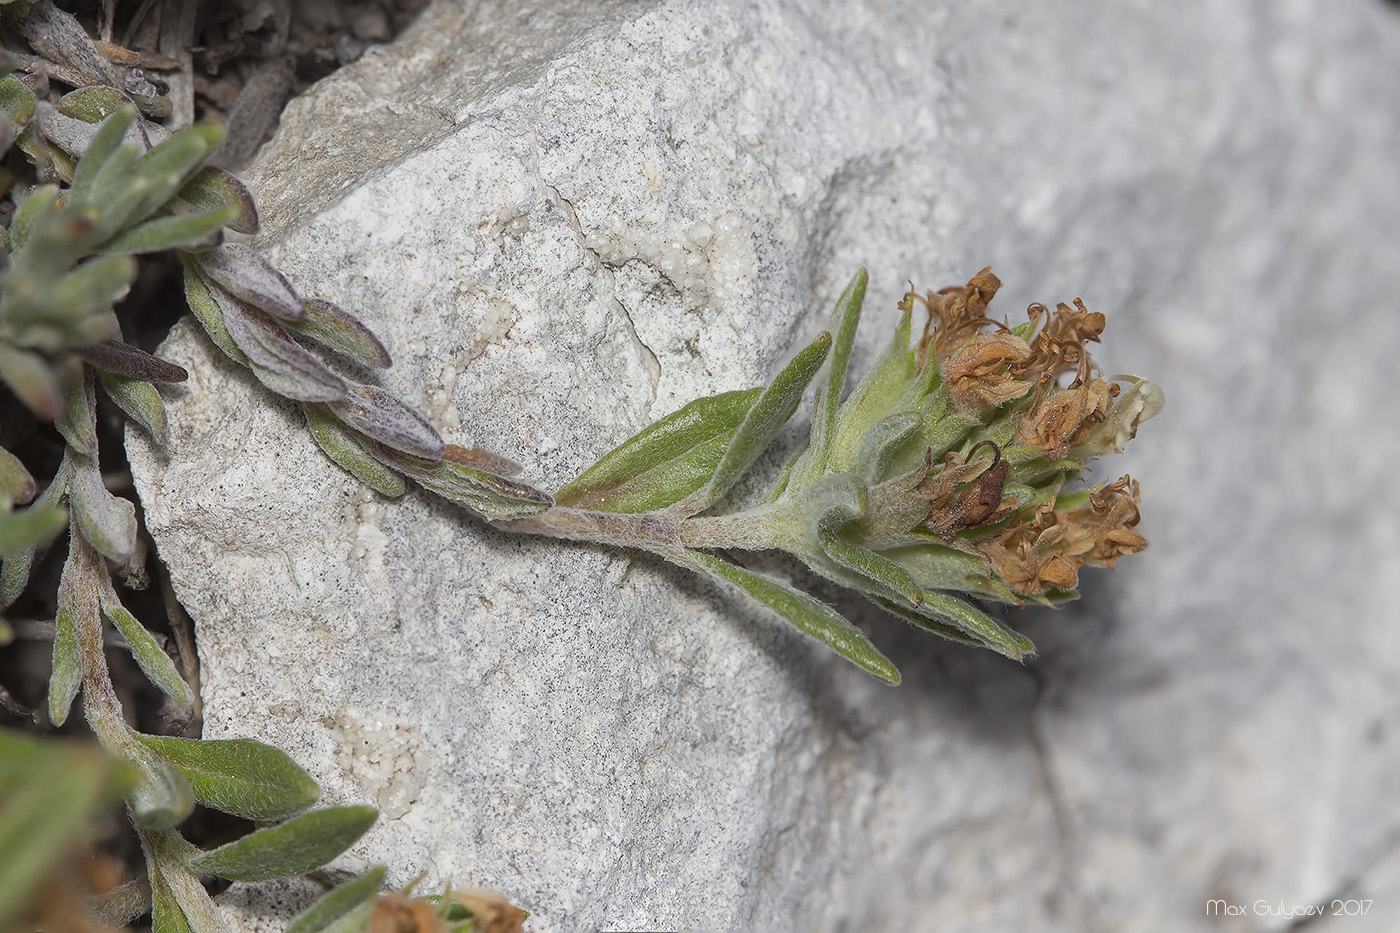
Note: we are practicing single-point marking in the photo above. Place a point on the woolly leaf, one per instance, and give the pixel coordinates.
(211, 317)
(345, 448)
(67, 672)
(104, 144)
(275, 358)
(292, 848)
(177, 231)
(493, 495)
(123, 359)
(808, 614)
(665, 462)
(162, 797)
(250, 277)
(346, 908)
(15, 481)
(141, 402)
(378, 415)
(31, 379)
(79, 422)
(152, 660)
(762, 423)
(29, 528)
(168, 166)
(844, 319)
(108, 522)
(869, 564)
(239, 776)
(212, 188)
(340, 330)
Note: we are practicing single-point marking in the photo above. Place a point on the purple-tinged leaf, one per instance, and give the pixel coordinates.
(249, 276)
(340, 330)
(213, 188)
(277, 360)
(378, 415)
(122, 359)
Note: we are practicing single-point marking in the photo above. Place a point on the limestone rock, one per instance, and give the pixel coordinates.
(569, 219)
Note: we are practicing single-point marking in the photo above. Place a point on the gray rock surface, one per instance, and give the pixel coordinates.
(568, 219)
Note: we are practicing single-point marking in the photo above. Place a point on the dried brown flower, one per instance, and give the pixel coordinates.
(1056, 422)
(980, 500)
(960, 311)
(981, 372)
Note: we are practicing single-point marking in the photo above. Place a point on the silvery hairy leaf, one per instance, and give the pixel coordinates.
(279, 362)
(292, 848)
(807, 613)
(379, 416)
(122, 359)
(340, 330)
(348, 450)
(108, 522)
(249, 276)
(239, 776)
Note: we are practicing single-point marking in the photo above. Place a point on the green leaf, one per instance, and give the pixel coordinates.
(52, 791)
(844, 320)
(768, 415)
(92, 287)
(212, 188)
(209, 314)
(869, 564)
(67, 671)
(295, 847)
(873, 398)
(168, 166)
(239, 776)
(105, 143)
(177, 231)
(15, 480)
(962, 615)
(141, 402)
(29, 528)
(665, 462)
(340, 330)
(927, 623)
(31, 379)
(153, 661)
(108, 522)
(494, 496)
(163, 797)
(16, 100)
(31, 214)
(345, 448)
(881, 442)
(344, 909)
(79, 422)
(180, 900)
(166, 915)
(94, 103)
(809, 615)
